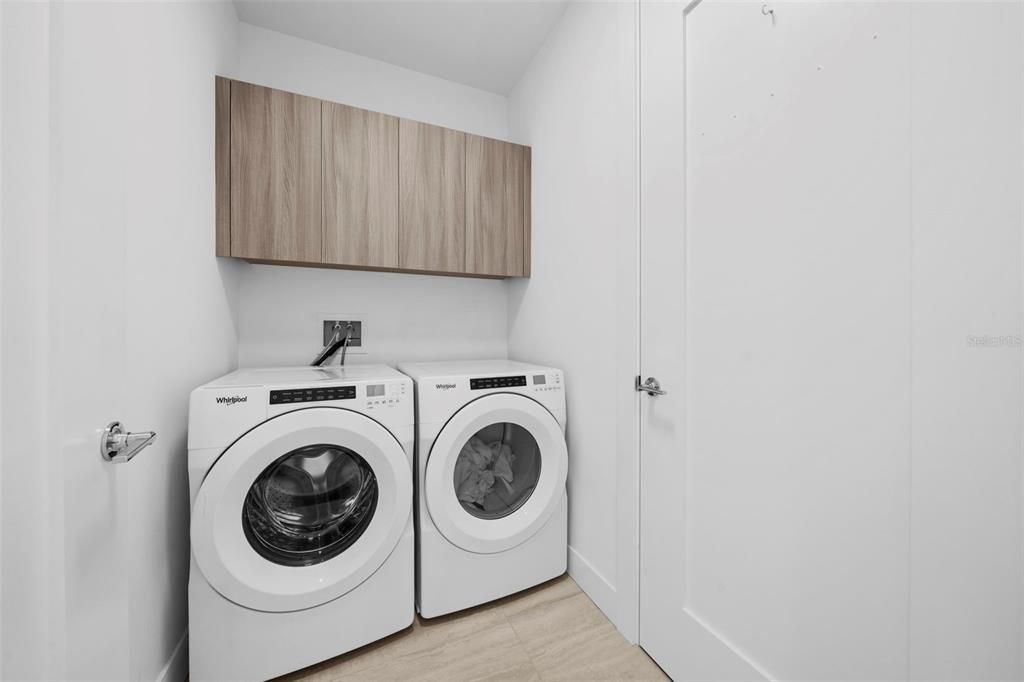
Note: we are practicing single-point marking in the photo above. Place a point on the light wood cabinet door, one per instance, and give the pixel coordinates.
(275, 175)
(432, 198)
(495, 203)
(527, 210)
(222, 162)
(360, 187)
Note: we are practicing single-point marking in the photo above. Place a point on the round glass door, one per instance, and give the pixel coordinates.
(495, 473)
(301, 509)
(497, 470)
(310, 505)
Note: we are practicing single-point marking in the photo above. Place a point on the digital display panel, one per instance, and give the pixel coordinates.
(312, 395)
(496, 382)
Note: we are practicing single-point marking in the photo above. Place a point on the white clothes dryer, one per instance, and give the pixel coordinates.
(491, 465)
(302, 534)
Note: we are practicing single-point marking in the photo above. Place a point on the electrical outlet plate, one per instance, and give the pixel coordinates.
(323, 322)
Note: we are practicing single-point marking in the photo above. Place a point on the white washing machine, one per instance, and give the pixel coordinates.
(491, 465)
(302, 533)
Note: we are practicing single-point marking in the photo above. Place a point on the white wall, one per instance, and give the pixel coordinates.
(282, 61)
(2, 117)
(180, 325)
(967, 233)
(797, 362)
(406, 317)
(576, 106)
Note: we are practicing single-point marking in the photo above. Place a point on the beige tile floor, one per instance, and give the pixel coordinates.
(552, 632)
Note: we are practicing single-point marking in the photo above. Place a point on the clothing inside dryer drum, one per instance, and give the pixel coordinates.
(497, 470)
(310, 505)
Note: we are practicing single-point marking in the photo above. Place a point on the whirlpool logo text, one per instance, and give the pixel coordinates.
(444, 387)
(232, 399)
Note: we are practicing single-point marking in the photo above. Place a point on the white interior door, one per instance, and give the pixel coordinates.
(65, 319)
(114, 307)
(831, 213)
(88, 298)
(672, 631)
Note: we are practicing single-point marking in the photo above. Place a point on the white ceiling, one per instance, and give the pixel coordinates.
(486, 44)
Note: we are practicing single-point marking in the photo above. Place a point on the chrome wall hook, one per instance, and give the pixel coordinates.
(768, 12)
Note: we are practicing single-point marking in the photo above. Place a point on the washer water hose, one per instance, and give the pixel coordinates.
(337, 341)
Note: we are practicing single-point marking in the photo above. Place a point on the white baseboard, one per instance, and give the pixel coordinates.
(597, 587)
(176, 668)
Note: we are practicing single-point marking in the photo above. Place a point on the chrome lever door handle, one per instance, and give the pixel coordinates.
(650, 387)
(117, 444)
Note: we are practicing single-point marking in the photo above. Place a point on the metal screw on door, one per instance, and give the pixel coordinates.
(119, 445)
(650, 387)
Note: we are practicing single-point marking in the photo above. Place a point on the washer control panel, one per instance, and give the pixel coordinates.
(496, 382)
(369, 396)
(383, 396)
(543, 383)
(312, 395)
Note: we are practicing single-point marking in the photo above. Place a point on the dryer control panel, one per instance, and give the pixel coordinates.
(534, 382)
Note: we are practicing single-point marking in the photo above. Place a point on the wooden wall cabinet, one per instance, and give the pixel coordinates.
(275, 175)
(433, 198)
(360, 222)
(495, 207)
(302, 181)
